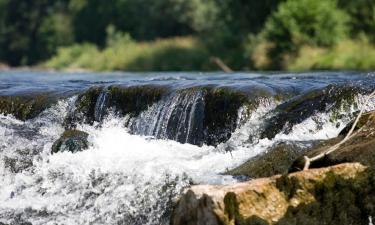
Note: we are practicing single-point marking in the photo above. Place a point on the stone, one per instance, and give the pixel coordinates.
(331, 98)
(72, 141)
(276, 160)
(359, 148)
(24, 107)
(338, 195)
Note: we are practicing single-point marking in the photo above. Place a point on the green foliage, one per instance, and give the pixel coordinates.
(228, 25)
(124, 34)
(303, 22)
(123, 53)
(30, 31)
(346, 55)
(362, 16)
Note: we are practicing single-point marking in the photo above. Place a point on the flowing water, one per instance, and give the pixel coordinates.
(137, 164)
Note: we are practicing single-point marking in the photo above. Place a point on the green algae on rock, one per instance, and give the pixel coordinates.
(121, 99)
(24, 107)
(221, 113)
(332, 98)
(133, 100)
(342, 195)
(72, 141)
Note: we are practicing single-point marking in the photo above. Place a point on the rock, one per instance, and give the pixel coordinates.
(94, 103)
(339, 195)
(276, 160)
(360, 148)
(331, 98)
(24, 107)
(221, 113)
(72, 141)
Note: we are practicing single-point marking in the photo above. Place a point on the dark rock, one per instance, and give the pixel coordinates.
(24, 107)
(359, 148)
(72, 141)
(121, 99)
(221, 113)
(276, 160)
(298, 109)
(135, 99)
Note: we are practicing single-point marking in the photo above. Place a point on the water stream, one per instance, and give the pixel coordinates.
(137, 165)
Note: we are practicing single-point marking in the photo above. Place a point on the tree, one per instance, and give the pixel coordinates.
(27, 29)
(303, 22)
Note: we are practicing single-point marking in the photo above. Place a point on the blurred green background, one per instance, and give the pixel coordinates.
(174, 35)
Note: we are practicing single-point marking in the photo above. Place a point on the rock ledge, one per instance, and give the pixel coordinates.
(342, 194)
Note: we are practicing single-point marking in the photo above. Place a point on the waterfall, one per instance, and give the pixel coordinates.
(177, 117)
(101, 105)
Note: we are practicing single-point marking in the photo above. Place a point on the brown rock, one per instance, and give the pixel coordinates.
(342, 195)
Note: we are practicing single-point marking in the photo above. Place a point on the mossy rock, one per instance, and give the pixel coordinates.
(24, 107)
(135, 99)
(221, 113)
(276, 160)
(331, 98)
(121, 99)
(359, 148)
(72, 141)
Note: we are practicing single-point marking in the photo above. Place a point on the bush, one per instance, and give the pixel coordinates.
(346, 55)
(122, 53)
(302, 22)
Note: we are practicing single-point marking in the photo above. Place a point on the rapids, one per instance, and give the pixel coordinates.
(138, 163)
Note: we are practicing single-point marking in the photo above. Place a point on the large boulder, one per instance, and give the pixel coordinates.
(71, 141)
(339, 195)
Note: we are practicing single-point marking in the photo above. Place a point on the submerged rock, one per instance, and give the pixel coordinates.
(72, 141)
(342, 195)
(359, 148)
(331, 98)
(24, 107)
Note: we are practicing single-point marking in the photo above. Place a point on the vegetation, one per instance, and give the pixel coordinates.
(140, 35)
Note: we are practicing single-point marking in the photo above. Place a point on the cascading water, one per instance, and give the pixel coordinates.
(178, 117)
(101, 105)
(137, 164)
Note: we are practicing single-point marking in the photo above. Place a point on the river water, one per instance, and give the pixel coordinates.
(136, 167)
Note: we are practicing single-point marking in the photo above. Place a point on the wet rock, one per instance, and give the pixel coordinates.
(24, 107)
(94, 103)
(133, 100)
(221, 113)
(342, 195)
(276, 160)
(331, 98)
(360, 148)
(72, 141)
